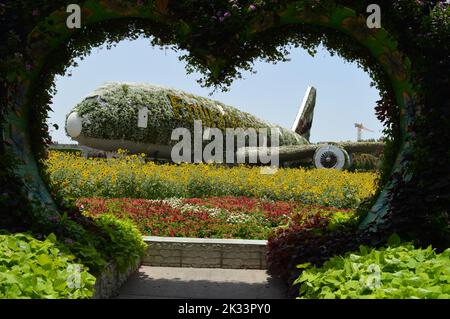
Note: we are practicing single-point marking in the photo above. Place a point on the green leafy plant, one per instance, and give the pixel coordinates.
(340, 218)
(30, 268)
(94, 242)
(124, 241)
(397, 271)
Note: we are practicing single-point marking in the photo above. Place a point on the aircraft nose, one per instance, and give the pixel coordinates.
(74, 125)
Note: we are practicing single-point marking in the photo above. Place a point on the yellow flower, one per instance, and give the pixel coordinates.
(75, 176)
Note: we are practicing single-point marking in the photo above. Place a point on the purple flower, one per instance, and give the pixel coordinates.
(29, 66)
(221, 19)
(252, 7)
(227, 14)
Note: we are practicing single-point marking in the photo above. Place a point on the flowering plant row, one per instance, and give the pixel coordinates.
(130, 177)
(216, 217)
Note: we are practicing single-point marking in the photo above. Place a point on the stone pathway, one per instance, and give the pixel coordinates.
(192, 283)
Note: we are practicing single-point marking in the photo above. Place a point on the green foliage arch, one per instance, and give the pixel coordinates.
(405, 58)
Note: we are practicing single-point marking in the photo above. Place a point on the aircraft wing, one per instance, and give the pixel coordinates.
(298, 152)
(305, 153)
(287, 152)
(374, 148)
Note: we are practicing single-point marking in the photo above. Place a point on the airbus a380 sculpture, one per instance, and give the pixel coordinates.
(141, 117)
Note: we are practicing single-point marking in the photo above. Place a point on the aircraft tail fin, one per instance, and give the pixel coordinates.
(305, 115)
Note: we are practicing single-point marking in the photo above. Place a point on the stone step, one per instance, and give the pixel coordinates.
(205, 253)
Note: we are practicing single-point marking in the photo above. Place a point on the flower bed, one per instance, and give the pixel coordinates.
(217, 217)
(130, 177)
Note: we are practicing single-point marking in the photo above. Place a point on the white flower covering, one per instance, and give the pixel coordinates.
(111, 112)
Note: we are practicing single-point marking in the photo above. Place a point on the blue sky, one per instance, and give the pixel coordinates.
(274, 93)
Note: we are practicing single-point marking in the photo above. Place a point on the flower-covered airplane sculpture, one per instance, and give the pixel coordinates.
(141, 118)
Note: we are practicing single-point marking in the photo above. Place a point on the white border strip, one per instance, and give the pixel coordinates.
(204, 240)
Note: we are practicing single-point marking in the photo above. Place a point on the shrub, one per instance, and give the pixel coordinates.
(312, 236)
(30, 268)
(365, 162)
(393, 272)
(124, 241)
(93, 241)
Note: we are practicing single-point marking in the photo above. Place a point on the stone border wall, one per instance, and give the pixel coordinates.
(205, 253)
(110, 280)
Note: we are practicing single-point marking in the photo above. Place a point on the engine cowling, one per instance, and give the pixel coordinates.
(331, 157)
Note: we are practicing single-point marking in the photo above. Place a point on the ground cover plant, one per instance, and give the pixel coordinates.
(216, 217)
(130, 177)
(30, 268)
(33, 265)
(397, 271)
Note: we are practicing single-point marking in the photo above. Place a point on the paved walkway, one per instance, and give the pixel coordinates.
(193, 283)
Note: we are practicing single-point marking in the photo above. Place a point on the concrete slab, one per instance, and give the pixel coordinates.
(194, 283)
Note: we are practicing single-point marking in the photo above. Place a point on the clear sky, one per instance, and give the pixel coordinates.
(274, 93)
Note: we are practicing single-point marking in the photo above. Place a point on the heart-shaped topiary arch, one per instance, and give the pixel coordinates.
(221, 38)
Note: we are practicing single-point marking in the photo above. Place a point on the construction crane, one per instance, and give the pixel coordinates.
(360, 128)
